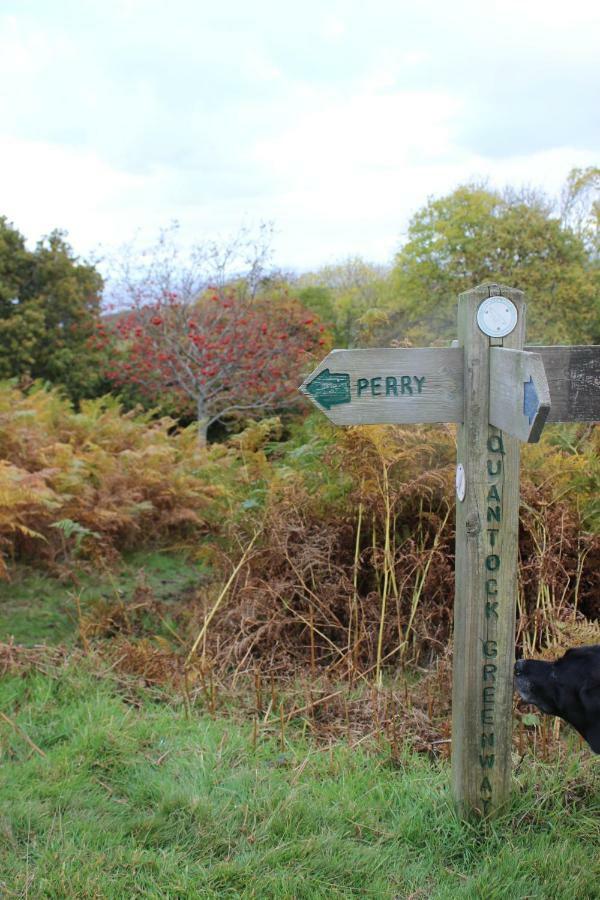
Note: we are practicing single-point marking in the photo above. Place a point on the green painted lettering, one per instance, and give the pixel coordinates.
(494, 514)
(490, 609)
(376, 386)
(492, 562)
(487, 715)
(486, 806)
(486, 760)
(405, 385)
(486, 786)
(490, 649)
(492, 533)
(391, 386)
(361, 385)
(420, 382)
(487, 740)
(490, 587)
(495, 444)
(493, 493)
(494, 470)
(489, 669)
(489, 693)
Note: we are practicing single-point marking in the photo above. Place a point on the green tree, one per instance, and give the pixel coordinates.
(352, 296)
(476, 235)
(580, 207)
(49, 309)
(319, 300)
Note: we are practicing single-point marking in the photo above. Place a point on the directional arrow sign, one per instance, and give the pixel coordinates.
(366, 387)
(519, 393)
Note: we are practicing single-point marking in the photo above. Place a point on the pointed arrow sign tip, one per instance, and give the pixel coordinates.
(519, 393)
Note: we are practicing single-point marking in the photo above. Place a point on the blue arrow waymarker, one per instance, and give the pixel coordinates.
(330, 388)
(531, 401)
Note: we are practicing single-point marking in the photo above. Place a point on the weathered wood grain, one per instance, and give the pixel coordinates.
(519, 393)
(573, 375)
(433, 393)
(484, 633)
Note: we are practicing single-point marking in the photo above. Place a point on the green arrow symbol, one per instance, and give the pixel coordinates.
(330, 388)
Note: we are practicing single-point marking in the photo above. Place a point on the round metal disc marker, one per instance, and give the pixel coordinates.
(497, 316)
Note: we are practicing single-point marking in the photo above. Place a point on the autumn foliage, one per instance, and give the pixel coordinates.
(92, 482)
(217, 357)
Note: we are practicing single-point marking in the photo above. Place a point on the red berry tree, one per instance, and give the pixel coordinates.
(217, 356)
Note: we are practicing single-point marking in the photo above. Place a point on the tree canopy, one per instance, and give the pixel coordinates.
(351, 296)
(49, 307)
(475, 235)
(580, 206)
(213, 334)
(219, 356)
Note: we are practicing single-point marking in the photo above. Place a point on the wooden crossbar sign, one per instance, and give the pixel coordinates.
(499, 394)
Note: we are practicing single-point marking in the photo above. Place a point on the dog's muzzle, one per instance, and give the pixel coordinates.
(520, 667)
(522, 683)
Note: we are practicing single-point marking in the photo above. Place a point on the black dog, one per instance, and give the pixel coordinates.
(569, 688)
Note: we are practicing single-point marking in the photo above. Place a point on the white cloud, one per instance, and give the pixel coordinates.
(24, 53)
(333, 28)
(44, 186)
(344, 137)
(336, 120)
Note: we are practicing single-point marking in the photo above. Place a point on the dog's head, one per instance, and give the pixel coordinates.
(568, 687)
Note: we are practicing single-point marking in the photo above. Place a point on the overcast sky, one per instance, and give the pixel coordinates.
(334, 120)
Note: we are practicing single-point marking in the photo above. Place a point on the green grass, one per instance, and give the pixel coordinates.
(132, 799)
(36, 608)
(135, 800)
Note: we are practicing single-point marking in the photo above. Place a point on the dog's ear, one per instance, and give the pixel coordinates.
(590, 698)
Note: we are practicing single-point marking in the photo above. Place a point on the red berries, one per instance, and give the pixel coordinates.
(221, 350)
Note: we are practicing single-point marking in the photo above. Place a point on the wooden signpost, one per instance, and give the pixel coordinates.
(499, 394)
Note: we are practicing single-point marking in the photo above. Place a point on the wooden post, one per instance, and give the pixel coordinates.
(487, 522)
(499, 394)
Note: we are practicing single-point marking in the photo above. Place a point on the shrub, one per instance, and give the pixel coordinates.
(94, 481)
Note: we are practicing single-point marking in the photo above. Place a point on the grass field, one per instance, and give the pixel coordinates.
(114, 789)
(37, 608)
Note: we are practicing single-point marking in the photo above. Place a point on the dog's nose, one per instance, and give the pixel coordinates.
(519, 666)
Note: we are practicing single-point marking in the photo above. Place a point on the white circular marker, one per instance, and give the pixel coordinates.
(461, 484)
(497, 316)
